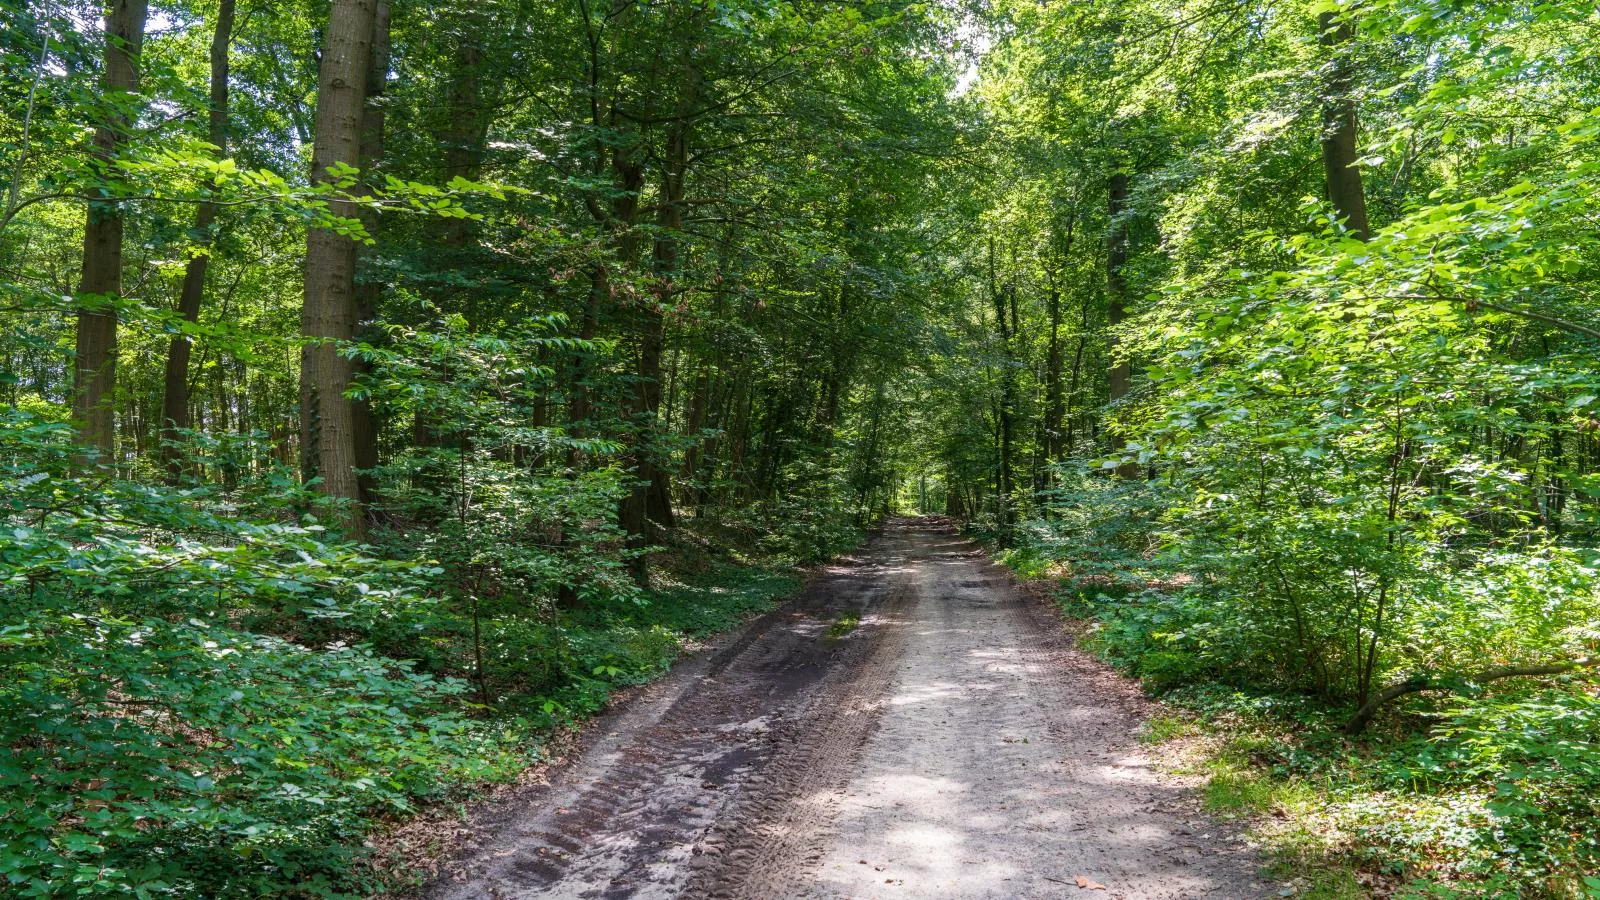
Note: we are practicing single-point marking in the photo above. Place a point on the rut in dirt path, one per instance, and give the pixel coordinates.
(951, 745)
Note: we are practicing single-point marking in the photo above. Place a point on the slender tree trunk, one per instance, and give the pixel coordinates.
(175, 395)
(578, 410)
(841, 362)
(327, 425)
(1339, 128)
(1053, 406)
(695, 423)
(1006, 412)
(1120, 378)
(95, 354)
(651, 497)
(464, 133)
(667, 266)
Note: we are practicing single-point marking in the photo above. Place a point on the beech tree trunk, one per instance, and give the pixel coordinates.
(1053, 402)
(369, 288)
(94, 374)
(327, 427)
(464, 131)
(1121, 374)
(175, 395)
(1339, 129)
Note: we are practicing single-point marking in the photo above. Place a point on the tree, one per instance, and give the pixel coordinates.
(327, 422)
(95, 354)
(175, 391)
(1340, 158)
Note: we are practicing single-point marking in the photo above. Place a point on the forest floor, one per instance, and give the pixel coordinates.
(912, 725)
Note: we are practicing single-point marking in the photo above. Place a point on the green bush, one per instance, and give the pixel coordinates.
(157, 741)
(149, 758)
(205, 694)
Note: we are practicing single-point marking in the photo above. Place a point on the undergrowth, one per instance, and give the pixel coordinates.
(1473, 790)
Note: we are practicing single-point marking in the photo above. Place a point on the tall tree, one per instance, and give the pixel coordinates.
(1120, 379)
(650, 500)
(175, 394)
(328, 316)
(95, 352)
(1006, 411)
(368, 288)
(1339, 123)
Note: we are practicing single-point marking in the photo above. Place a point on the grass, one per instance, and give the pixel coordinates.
(720, 596)
(1484, 799)
(1285, 815)
(1329, 814)
(843, 625)
(1162, 728)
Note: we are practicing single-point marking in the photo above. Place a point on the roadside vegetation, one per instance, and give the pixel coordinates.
(1472, 787)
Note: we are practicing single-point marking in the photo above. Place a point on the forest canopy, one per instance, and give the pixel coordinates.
(385, 382)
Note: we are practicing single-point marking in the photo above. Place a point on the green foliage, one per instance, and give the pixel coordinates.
(159, 742)
(203, 695)
(651, 305)
(154, 759)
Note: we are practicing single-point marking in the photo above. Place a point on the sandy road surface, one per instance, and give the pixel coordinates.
(950, 745)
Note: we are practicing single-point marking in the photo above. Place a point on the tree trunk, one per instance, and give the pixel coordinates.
(1339, 128)
(327, 427)
(695, 423)
(651, 497)
(1008, 389)
(1054, 408)
(464, 132)
(175, 395)
(1120, 377)
(369, 288)
(95, 357)
(1121, 374)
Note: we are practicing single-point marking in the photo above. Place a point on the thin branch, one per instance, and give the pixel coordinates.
(1560, 323)
(1419, 683)
(27, 122)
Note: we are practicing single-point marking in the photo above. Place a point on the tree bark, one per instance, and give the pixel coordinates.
(1339, 129)
(694, 424)
(464, 132)
(1121, 374)
(175, 395)
(369, 288)
(328, 317)
(1006, 408)
(1054, 406)
(95, 352)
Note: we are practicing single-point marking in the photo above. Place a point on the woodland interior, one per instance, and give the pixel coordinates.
(385, 384)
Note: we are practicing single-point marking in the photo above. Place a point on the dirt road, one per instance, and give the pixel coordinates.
(913, 726)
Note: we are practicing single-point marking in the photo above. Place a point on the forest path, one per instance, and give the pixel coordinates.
(951, 743)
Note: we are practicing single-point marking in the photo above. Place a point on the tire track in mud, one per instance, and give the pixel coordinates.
(779, 822)
(627, 818)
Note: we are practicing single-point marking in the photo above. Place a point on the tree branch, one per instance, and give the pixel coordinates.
(1416, 684)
